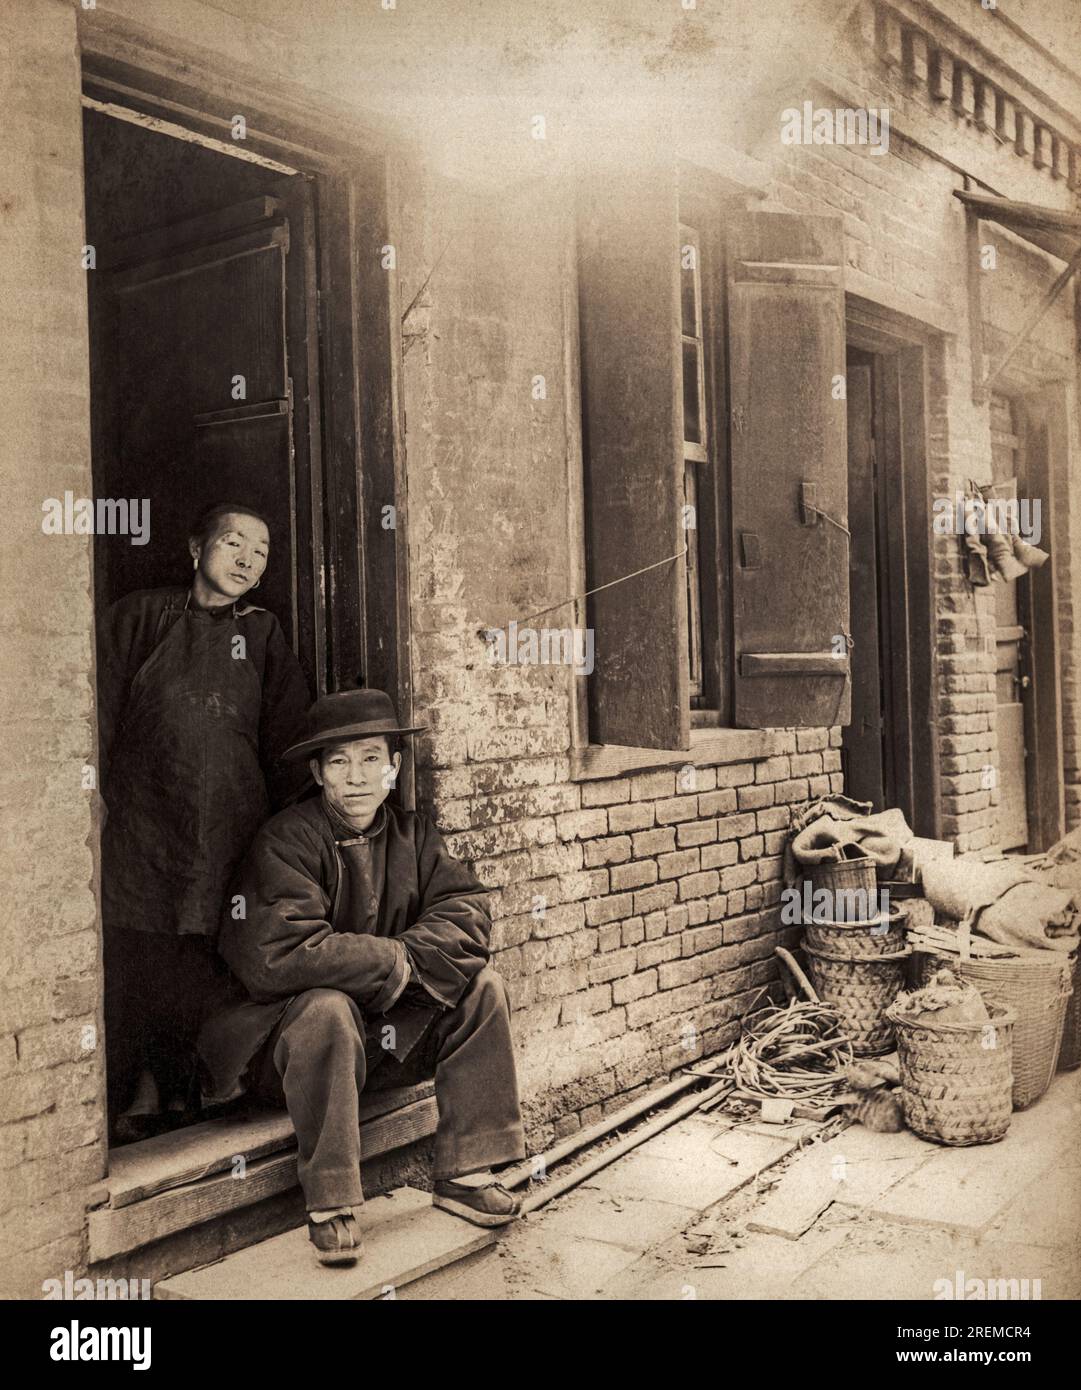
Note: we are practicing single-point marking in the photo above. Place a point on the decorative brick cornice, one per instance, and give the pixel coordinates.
(982, 92)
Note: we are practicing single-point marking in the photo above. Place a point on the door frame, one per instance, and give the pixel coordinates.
(900, 347)
(365, 582)
(1043, 410)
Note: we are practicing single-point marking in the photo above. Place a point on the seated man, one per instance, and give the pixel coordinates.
(363, 945)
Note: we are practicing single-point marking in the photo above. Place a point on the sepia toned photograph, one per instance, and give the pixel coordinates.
(541, 664)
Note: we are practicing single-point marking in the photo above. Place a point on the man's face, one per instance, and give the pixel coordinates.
(357, 777)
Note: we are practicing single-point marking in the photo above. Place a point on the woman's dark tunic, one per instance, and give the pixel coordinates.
(196, 706)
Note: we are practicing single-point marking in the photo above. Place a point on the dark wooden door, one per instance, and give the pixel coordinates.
(205, 356)
(862, 743)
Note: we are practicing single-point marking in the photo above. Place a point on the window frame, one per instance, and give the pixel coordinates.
(702, 211)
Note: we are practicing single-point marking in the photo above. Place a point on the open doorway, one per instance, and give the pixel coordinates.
(204, 390)
(261, 262)
(884, 747)
(1027, 667)
(203, 362)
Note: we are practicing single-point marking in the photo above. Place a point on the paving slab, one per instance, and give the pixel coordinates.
(765, 1266)
(965, 1189)
(562, 1266)
(927, 1264)
(687, 1139)
(1047, 1210)
(797, 1201)
(699, 1179)
(632, 1223)
(876, 1260)
(404, 1238)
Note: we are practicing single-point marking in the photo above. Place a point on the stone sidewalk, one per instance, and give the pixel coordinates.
(883, 1216)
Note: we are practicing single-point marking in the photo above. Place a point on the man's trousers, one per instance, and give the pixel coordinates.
(319, 1059)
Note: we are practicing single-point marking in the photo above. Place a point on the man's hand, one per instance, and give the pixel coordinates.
(416, 995)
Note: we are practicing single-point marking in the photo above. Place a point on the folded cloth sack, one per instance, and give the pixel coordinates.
(1061, 865)
(1002, 901)
(822, 830)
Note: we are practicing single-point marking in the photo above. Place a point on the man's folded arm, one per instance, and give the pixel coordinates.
(448, 943)
(285, 943)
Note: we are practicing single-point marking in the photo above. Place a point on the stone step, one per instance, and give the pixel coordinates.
(405, 1240)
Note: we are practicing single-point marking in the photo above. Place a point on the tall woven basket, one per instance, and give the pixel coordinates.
(1036, 986)
(861, 989)
(1069, 1057)
(956, 1078)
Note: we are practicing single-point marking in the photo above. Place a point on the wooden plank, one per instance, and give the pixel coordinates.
(209, 227)
(113, 1230)
(214, 254)
(140, 1170)
(404, 1239)
(254, 410)
(792, 664)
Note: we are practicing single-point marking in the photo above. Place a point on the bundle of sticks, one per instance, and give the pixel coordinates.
(796, 1053)
(956, 941)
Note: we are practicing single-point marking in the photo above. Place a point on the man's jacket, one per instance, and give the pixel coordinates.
(284, 930)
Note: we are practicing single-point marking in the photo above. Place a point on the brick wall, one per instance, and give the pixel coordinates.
(51, 1121)
(636, 918)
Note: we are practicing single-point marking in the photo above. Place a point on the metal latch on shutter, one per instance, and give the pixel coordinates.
(750, 552)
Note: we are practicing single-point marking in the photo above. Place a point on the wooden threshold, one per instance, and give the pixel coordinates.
(176, 1181)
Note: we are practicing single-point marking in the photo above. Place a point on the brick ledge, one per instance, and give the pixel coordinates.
(709, 748)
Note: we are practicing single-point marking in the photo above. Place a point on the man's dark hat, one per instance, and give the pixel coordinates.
(352, 714)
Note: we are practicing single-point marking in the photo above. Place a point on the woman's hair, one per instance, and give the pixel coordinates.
(207, 524)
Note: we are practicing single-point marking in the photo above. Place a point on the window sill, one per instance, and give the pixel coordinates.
(709, 748)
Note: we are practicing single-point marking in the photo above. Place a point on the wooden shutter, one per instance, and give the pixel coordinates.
(632, 409)
(788, 456)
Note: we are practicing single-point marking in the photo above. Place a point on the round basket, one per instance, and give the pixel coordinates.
(882, 936)
(1036, 986)
(844, 874)
(956, 1078)
(861, 989)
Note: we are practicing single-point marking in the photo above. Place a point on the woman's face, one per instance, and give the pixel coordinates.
(236, 556)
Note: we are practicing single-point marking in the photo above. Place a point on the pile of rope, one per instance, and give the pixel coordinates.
(796, 1053)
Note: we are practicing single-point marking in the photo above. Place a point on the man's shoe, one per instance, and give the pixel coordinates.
(337, 1241)
(491, 1205)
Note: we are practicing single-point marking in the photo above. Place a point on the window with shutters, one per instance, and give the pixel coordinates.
(712, 346)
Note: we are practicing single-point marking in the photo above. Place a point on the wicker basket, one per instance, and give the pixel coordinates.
(859, 873)
(861, 989)
(1069, 1057)
(956, 1078)
(857, 940)
(1036, 986)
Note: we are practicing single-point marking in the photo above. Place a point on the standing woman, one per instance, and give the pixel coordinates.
(199, 692)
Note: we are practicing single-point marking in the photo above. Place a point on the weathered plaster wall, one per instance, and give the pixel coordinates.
(51, 1068)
